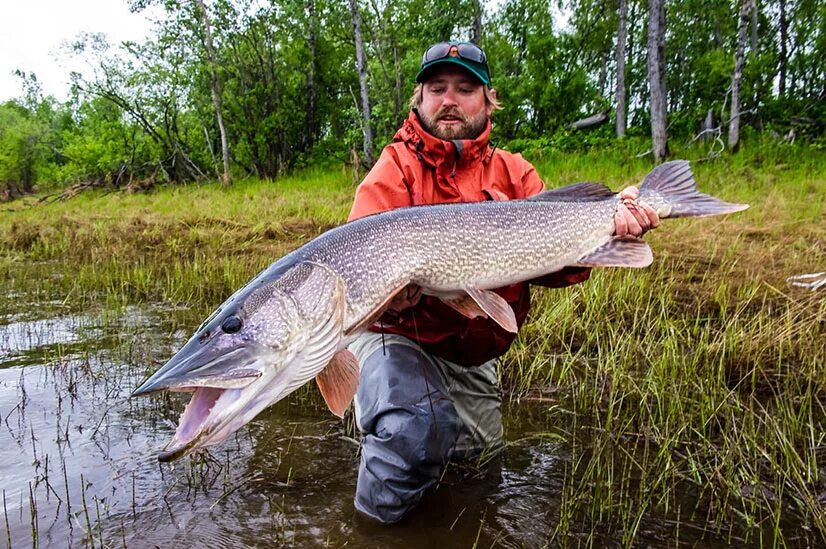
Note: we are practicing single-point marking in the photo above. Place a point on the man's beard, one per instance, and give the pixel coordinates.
(470, 127)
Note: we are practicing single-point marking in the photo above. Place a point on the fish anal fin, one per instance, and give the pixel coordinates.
(623, 251)
(374, 314)
(338, 381)
(465, 305)
(495, 306)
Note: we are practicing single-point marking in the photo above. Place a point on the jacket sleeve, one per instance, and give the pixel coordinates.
(567, 276)
(382, 189)
(531, 182)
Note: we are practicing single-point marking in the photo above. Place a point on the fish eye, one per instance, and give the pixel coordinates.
(231, 324)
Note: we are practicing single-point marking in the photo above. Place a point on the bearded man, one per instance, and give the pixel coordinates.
(428, 390)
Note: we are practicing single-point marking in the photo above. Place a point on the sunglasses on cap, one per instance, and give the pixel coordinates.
(465, 50)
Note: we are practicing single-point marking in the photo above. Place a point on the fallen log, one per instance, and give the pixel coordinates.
(589, 122)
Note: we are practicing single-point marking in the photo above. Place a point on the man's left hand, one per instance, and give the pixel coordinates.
(633, 218)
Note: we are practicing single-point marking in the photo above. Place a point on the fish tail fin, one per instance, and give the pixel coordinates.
(671, 190)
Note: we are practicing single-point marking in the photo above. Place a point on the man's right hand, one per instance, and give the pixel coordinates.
(634, 218)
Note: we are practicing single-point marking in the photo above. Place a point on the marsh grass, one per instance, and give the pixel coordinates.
(694, 390)
(691, 393)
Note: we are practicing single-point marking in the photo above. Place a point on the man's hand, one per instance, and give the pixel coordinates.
(406, 298)
(633, 218)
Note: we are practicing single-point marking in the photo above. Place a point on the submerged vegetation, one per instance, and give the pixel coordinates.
(691, 393)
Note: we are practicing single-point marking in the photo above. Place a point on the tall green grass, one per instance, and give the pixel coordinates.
(692, 391)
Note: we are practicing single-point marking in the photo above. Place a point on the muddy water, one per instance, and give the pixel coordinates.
(78, 466)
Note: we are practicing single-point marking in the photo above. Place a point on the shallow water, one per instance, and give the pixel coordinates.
(78, 465)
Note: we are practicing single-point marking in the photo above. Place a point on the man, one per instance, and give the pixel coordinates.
(428, 391)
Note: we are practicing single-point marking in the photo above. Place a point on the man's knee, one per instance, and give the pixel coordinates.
(396, 377)
(410, 427)
(401, 458)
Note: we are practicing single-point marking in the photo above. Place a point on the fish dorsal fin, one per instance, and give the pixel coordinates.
(338, 381)
(578, 192)
(622, 251)
(465, 305)
(495, 306)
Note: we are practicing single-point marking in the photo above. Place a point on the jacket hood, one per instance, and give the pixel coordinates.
(436, 151)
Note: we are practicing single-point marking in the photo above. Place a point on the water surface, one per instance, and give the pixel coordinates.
(78, 465)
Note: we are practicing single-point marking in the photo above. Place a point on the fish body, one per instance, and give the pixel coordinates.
(293, 321)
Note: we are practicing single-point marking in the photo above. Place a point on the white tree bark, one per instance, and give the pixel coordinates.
(656, 80)
(361, 66)
(476, 37)
(784, 40)
(622, 37)
(736, 79)
(309, 132)
(216, 88)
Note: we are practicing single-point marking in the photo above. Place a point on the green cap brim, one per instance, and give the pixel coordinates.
(477, 69)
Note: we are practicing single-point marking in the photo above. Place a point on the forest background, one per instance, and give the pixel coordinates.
(234, 88)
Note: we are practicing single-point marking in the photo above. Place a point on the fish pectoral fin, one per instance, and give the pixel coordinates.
(622, 251)
(495, 306)
(338, 381)
(375, 313)
(465, 305)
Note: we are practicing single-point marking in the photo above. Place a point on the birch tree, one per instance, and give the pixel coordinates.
(310, 130)
(622, 36)
(656, 80)
(784, 40)
(746, 8)
(361, 67)
(215, 87)
(476, 35)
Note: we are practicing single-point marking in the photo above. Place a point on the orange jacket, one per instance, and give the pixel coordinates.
(418, 168)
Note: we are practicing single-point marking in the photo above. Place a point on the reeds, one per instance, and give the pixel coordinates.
(697, 385)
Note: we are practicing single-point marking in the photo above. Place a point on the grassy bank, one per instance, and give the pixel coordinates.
(692, 389)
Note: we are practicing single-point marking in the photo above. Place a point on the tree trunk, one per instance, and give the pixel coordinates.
(656, 82)
(708, 125)
(309, 131)
(397, 107)
(739, 57)
(754, 26)
(603, 73)
(476, 37)
(622, 36)
(361, 66)
(784, 40)
(215, 85)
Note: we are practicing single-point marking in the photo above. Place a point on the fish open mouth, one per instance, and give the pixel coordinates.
(201, 420)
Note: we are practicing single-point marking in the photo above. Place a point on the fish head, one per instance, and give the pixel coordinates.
(242, 358)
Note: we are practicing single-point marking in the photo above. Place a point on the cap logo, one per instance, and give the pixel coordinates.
(454, 52)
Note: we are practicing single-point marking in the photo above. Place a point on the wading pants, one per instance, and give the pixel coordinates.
(416, 412)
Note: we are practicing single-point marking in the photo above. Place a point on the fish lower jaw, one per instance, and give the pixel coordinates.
(201, 421)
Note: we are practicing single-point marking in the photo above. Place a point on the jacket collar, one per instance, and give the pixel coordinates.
(435, 151)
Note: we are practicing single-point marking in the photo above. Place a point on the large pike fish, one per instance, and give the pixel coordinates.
(293, 321)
